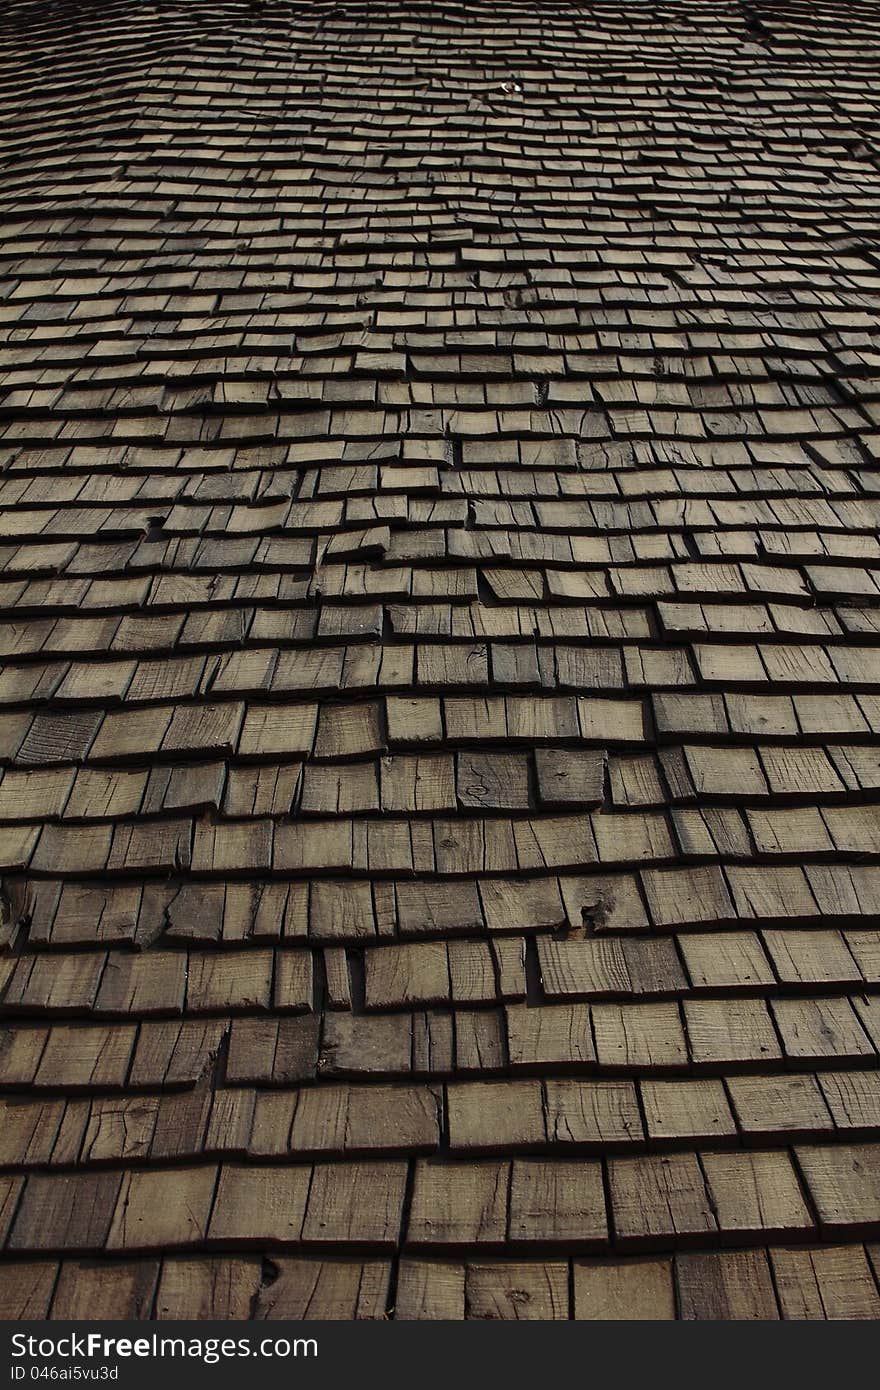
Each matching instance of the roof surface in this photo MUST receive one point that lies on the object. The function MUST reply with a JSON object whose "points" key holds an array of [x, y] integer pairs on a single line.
{"points": [[441, 706]]}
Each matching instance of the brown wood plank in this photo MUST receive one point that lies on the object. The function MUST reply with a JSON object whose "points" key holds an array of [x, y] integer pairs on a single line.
{"points": [[624, 1290], [736, 1284]]}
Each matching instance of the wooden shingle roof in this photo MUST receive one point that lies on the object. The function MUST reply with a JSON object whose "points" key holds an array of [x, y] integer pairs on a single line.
{"points": [[440, 701]]}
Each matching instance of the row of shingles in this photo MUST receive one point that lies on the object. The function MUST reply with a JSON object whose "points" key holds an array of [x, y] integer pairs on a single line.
{"points": [[566, 777], [460, 649], [428, 782], [817, 533], [653, 1201], [41, 784], [433, 604], [478, 649], [475, 423], [355, 912], [745, 494], [808, 1282], [268, 273], [465, 846], [818, 984], [570, 517], [781, 966], [707, 1035], [557, 1114], [591, 367], [836, 549]]}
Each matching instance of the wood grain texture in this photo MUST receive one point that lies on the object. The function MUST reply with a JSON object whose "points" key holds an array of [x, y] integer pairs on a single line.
{"points": [[440, 667]]}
